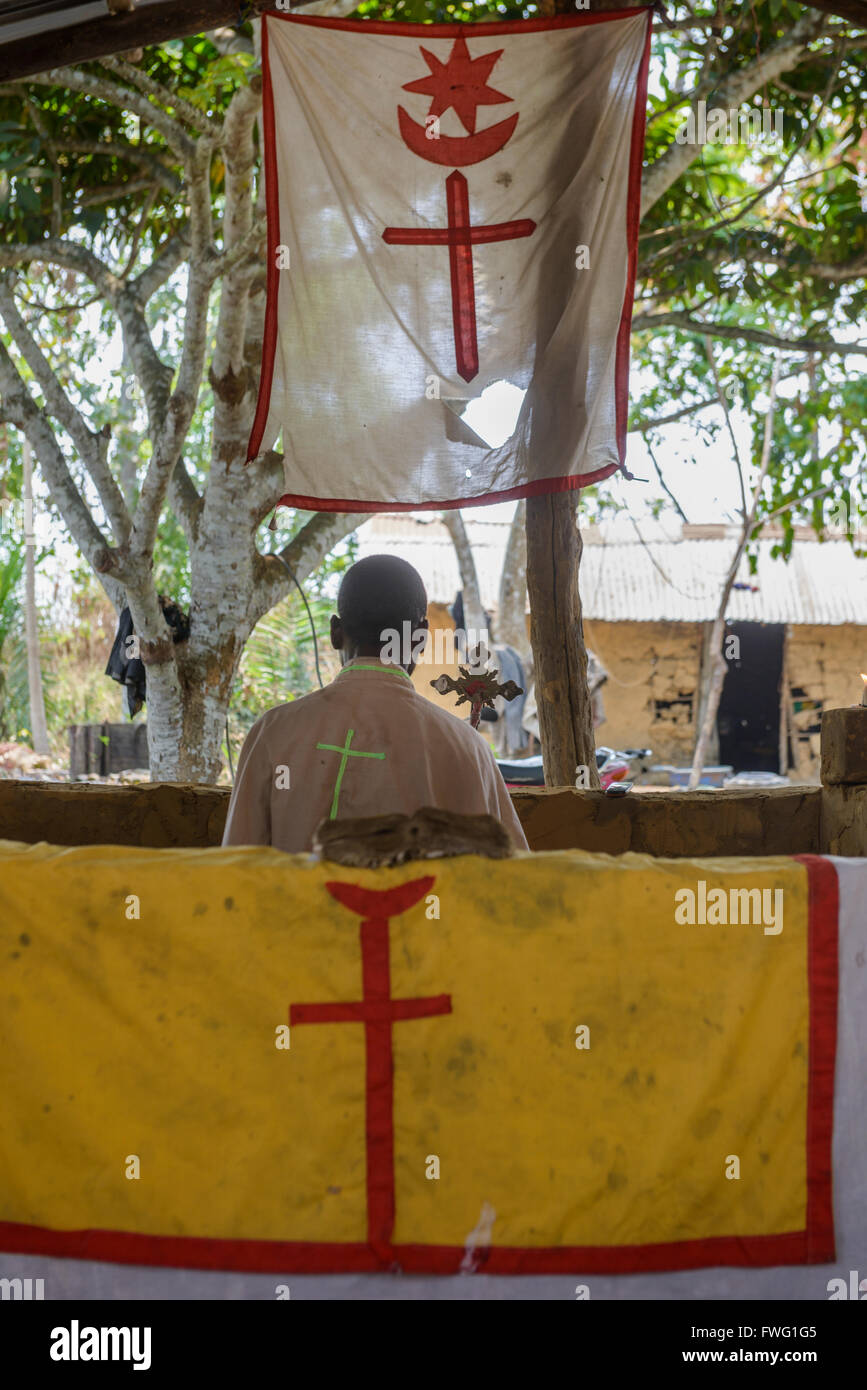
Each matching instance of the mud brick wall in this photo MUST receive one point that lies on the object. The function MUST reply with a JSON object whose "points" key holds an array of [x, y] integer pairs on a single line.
{"points": [[668, 824], [651, 695]]}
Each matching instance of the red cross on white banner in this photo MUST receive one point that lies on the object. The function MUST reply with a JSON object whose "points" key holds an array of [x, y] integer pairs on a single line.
{"points": [[460, 83]]}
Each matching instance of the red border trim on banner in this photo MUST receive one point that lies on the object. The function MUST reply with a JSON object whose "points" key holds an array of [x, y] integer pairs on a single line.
{"points": [[509, 494], [813, 1245], [455, 30], [272, 284], [633, 218], [308, 1257], [633, 205], [823, 977]]}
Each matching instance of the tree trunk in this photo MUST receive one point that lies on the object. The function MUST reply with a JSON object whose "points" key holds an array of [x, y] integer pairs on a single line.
{"points": [[205, 714], [475, 622], [705, 673], [557, 634], [717, 670], [511, 626], [710, 694], [38, 726]]}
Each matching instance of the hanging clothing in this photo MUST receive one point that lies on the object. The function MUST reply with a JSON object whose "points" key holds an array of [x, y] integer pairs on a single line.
{"points": [[366, 745], [125, 664]]}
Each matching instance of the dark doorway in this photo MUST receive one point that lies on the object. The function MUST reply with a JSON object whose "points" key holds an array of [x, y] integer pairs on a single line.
{"points": [[748, 720]]}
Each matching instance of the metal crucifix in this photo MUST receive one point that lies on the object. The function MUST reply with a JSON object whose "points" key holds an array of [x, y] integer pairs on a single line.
{"points": [[480, 688]]}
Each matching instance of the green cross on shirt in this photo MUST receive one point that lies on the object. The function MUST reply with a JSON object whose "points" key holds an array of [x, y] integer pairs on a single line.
{"points": [[346, 753]]}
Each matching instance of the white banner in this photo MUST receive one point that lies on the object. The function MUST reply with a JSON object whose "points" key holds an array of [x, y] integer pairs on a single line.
{"points": [[449, 206]]}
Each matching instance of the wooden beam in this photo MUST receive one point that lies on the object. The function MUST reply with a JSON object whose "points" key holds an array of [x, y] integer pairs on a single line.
{"points": [[115, 33], [173, 19], [152, 23], [853, 10]]}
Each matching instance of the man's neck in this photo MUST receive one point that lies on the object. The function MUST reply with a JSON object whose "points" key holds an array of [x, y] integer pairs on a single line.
{"points": [[374, 663], [372, 657]]}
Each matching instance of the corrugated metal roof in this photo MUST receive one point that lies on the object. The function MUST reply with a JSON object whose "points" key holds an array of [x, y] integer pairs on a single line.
{"points": [[681, 581], [631, 581], [428, 545]]}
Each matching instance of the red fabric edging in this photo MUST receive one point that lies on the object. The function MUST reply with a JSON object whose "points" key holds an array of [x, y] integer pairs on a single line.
{"points": [[272, 283], [460, 29], [308, 1257], [823, 982], [508, 494], [633, 217], [621, 369]]}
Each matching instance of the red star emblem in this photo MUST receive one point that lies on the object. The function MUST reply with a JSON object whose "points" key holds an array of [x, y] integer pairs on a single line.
{"points": [[460, 83]]}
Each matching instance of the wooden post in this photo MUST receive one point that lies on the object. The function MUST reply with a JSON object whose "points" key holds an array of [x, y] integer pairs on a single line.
{"points": [[556, 627], [557, 634]]}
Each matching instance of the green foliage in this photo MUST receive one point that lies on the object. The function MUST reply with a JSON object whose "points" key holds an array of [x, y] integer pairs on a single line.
{"points": [[453, 12], [47, 144], [279, 661], [747, 236]]}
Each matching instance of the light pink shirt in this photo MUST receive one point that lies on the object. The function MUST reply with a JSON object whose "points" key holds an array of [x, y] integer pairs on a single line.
{"points": [[388, 749]]}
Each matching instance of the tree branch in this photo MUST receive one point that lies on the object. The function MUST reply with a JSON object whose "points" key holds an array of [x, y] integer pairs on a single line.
{"points": [[51, 154], [18, 406], [718, 662], [304, 554], [737, 87], [236, 254], [111, 193], [171, 254], [170, 434], [643, 426], [852, 269], [753, 199], [474, 613], [126, 98], [185, 501], [132, 154], [750, 335], [92, 448], [69, 254], [237, 225], [184, 109], [708, 347], [153, 374], [230, 378], [663, 484]]}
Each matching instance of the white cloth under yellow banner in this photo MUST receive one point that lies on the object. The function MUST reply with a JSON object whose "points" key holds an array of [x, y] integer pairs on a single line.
{"points": [[366, 745], [449, 206]]}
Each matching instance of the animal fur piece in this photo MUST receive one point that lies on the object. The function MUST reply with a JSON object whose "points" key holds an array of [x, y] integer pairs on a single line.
{"points": [[374, 842]]}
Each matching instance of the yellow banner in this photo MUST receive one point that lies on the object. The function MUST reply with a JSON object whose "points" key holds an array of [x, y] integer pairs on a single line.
{"points": [[238, 1059]]}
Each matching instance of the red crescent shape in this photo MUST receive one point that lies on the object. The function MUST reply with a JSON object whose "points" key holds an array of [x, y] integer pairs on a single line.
{"points": [[456, 150], [380, 903]]}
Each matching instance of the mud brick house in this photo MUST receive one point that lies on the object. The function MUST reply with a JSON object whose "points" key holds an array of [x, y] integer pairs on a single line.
{"points": [[649, 602]]}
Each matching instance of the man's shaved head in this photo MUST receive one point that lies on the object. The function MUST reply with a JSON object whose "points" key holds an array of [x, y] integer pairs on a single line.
{"points": [[378, 595]]}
